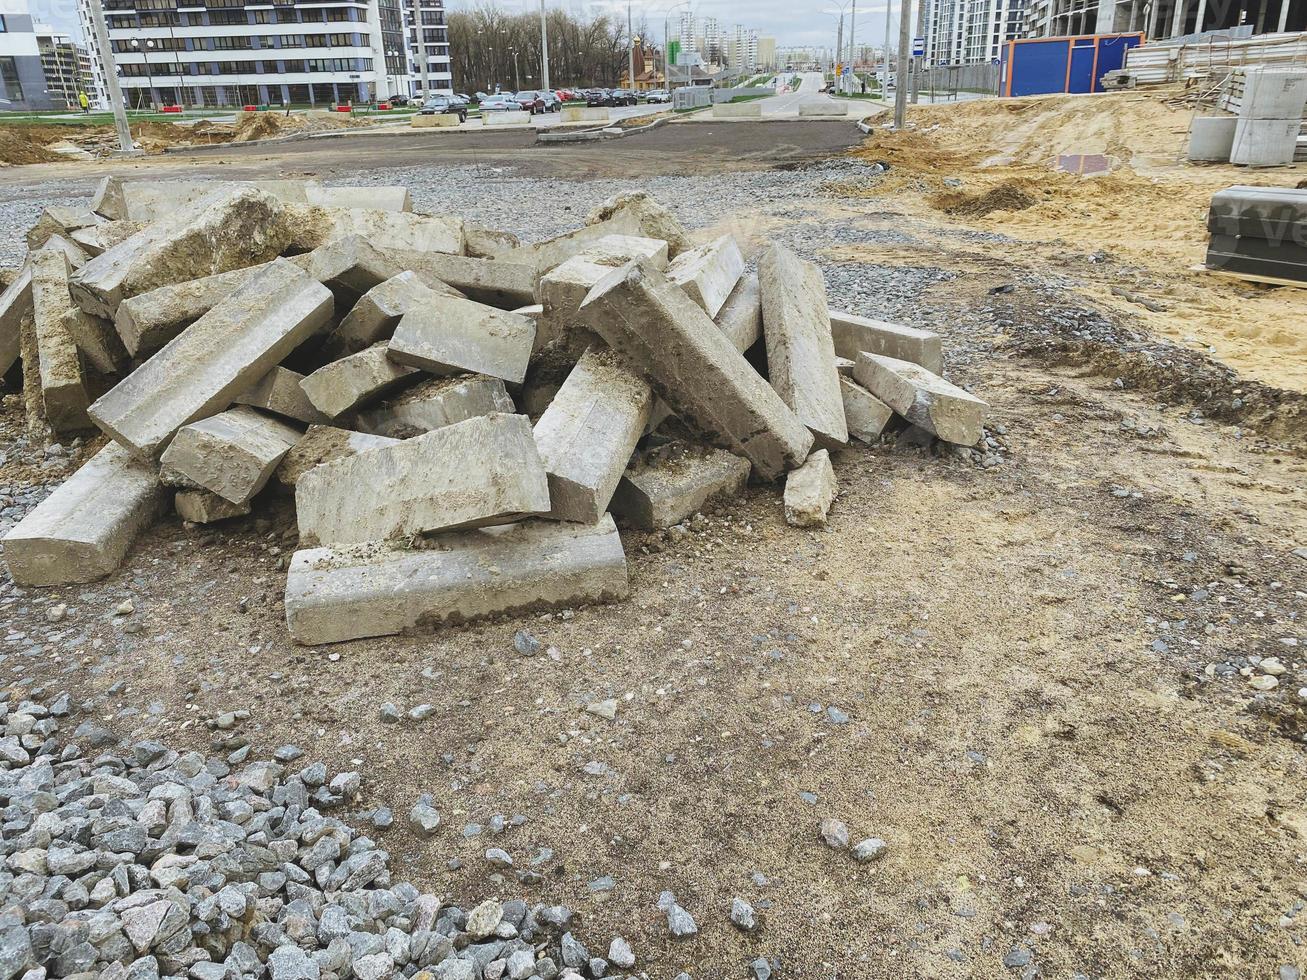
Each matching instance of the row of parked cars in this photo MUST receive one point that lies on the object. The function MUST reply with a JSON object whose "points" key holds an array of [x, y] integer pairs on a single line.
{"points": [[536, 100]]}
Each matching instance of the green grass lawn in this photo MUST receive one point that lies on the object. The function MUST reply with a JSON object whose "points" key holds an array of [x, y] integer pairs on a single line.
{"points": [[750, 98]]}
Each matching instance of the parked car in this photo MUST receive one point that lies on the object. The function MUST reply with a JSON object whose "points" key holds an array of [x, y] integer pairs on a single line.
{"points": [[599, 97], [482, 95], [658, 95], [499, 103], [442, 104], [530, 101], [462, 98], [552, 102], [623, 96], [569, 95], [398, 100]]}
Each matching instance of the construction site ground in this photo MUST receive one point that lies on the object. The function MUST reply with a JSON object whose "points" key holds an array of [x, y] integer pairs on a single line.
{"points": [[1043, 663]]}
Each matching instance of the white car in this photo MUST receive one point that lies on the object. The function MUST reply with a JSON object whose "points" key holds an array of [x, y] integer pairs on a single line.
{"points": [[658, 96]]}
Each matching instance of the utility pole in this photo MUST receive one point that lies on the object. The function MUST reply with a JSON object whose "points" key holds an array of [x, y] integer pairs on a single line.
{"points": [[905, 40], [921, 33], [630, 50], [853, 33], [837, 54], [884, 82], [423, 67], [111, 77], [544, 47]]}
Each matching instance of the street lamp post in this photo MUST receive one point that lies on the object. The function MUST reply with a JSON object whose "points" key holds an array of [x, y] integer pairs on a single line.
{"points": [[149, 78], [544, 48], [667, 63], [517, 78]]}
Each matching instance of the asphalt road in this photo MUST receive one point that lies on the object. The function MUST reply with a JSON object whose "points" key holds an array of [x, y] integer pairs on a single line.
{"points": [[677, 148]]}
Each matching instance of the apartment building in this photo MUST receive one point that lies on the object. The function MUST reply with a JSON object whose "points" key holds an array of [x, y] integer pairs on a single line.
{"points": [[742, 49], [239, 52], [429, 16], [22, 78], [1162, 19], [767, 59], [971, 32], [66, 66]]}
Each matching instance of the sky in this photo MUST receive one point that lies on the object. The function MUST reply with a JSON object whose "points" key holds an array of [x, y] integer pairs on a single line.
{"points": [[794, 23]]}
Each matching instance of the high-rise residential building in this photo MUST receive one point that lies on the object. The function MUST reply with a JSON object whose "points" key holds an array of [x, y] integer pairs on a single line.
{"points": [[686, 33], [971, 32], [767, 54], [238, 52], [434, 43], [1159, 20], [742, 50], [66, 66], [710, 42], [22, 77]]}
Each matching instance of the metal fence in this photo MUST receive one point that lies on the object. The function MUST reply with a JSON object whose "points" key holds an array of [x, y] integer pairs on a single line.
{"points": [[951, 79], [692, 98]]}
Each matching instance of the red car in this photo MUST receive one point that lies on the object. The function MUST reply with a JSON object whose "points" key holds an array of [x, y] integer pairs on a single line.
{"points": [[566, 95], [530, 101]]}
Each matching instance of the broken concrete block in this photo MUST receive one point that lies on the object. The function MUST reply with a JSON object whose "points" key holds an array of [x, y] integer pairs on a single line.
{"points": [[865, 415], [809, 491], [383, 229], [923, 398], [74, 253], [588, 432], [564, 287], [15, 304], [335, 594], [853, 334], [229, 229], [279, 392], [740, 317], [348, 266], [800, 351], [649, 219], [708, 273], [376, 314], [495, 282], [335, 388], [323, 444], [151, 200], [82, 531], [95, 240], [486, 243], [215, 359], [435, 403], [693, 366], [94, 337], [59, 220], [372, 197], [231, 454], [63, 386], [674, 482], [450, 336], [844, 366], [147, 321], [482, 471], [203, 507]]}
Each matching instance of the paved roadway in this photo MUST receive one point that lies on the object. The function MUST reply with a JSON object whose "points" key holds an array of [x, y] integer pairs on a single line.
{"points": [[788, 104]]}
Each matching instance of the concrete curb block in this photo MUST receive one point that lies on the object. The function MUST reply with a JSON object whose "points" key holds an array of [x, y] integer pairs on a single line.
{"points": [[605, 133]]}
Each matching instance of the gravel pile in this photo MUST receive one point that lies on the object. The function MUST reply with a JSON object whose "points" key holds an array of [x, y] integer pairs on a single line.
{"points": [[141, 862]]}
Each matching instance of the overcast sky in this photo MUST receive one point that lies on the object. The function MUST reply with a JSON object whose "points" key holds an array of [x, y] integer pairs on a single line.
{"points": [[792, 22]]}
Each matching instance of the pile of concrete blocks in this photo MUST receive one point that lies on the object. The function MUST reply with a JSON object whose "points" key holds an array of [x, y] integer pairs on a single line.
{"points": [[462, 419]]}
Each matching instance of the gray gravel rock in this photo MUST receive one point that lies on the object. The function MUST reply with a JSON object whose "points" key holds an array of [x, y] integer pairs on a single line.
{"points": [[834, 833]]}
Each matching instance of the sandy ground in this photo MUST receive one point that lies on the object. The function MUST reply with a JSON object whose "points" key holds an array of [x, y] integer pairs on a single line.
{"points": [[1039, 663], [1150, 210]]}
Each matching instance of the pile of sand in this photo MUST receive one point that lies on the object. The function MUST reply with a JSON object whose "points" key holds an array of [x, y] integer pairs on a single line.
{"points": [[17, 147], [990, 163]]}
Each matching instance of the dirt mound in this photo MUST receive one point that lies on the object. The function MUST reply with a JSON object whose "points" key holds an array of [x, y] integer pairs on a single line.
{"points": [[17, 147], [1004, 197]]}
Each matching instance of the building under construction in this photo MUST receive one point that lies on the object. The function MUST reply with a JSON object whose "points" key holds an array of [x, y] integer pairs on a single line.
{"points": [[1162, 19]]}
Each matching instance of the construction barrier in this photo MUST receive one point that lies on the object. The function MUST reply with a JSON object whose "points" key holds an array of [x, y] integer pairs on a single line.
{"points": [[510, 118], [583, 113], [436, 121], [737, 110]]}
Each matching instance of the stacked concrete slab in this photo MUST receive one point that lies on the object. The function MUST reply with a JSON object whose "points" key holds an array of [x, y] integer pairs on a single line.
{"points": [[458, 416]]}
